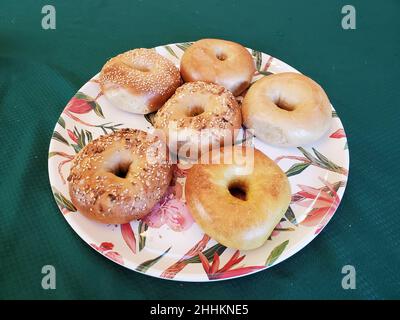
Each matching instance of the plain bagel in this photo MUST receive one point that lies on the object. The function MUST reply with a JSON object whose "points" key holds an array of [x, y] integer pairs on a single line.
{"points": [[238, 202], [287, 109], [226, 63]]}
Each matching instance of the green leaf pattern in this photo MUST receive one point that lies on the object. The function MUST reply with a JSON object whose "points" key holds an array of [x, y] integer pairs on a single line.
{"points": [[142, 228], [184, 45], [57, 136], [258, 58], [84, 137], [289, 215], [209, 253], [61, 122], [171, 52], [275, 253], [62, 201], [143, 267], [296, 169]]}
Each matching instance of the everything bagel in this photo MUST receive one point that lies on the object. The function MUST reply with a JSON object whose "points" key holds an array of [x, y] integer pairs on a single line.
{"points": [[112, 179]]}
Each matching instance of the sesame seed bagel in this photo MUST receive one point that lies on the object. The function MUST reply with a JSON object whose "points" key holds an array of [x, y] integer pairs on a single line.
{"points": [[239, 200], [119, 177], [139, 81], [199, 117], [287, 109], [226, 63]]}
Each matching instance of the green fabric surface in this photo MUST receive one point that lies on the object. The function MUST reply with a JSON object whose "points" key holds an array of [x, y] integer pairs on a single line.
{"points": [[40, 70]]}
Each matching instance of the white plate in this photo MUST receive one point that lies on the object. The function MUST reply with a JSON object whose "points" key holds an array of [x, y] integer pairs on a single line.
{"points": [[163, 248]]}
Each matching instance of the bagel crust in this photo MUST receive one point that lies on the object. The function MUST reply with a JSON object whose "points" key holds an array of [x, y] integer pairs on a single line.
{"points": [[226, 63], [236, 205], [139, 80], [112, 181], [287, 109], [199, 116]]}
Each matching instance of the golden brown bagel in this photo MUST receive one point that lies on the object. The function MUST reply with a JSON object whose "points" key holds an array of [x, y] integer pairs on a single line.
{"points": [[226, 63], [139, 81], [119, 177], [287, 109], [238, 204], [198, 117]]}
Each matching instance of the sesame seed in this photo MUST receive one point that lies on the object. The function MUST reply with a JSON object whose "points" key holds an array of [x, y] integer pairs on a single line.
{"points": [[129, 196]]}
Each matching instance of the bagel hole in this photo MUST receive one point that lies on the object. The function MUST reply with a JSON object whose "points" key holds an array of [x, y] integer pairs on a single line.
{"points": [[238, 189], [284, 105], [121, 170], [111, 197], [221, 56], [194, 111]]}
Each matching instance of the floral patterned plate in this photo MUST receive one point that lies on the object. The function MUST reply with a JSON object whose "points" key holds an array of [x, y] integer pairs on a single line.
{"points": [[167, 243]]}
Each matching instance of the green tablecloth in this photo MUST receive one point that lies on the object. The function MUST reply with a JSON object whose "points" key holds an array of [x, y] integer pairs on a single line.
{"points": [[41, 69]]}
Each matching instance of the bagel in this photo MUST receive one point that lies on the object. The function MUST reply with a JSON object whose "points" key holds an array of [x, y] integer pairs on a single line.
{"points": [[139, 81], [226, 63], [198, 117], [238, 202], [287, 109], [114, 180]]}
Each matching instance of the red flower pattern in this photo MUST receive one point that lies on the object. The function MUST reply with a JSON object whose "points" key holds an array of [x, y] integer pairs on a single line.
{"points": [[338, 134], [72, 135], [79, 106], [129, 236], [323, 201], [171, 210], [106, 249], [214, 271]]}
